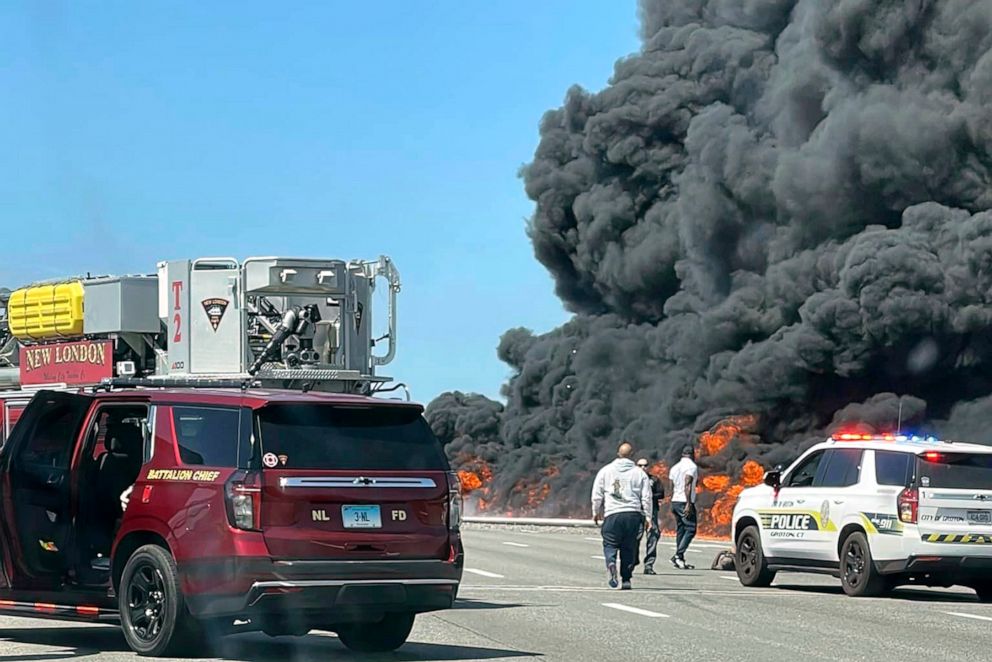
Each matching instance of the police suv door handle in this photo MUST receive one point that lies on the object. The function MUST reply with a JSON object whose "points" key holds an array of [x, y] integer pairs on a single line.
{"points": [[838, 502]]}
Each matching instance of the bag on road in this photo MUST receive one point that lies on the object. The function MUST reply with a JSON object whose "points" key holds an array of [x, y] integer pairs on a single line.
{"points": [[723, 561]]}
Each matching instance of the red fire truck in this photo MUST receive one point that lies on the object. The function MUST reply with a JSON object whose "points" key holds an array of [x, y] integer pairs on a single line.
{"points": [[200, 452]]}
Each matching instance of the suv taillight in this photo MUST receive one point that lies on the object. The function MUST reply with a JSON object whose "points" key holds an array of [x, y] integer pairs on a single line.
{"points": [[907, 504], [244, 500], [454, 502]]}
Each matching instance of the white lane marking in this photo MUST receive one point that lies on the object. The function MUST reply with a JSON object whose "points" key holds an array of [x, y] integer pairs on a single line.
{"points": [[484, 573], [516, 544], [600, 557], [594, 539], [751, 593], [974, 616], [635, 610], [732, 578]]}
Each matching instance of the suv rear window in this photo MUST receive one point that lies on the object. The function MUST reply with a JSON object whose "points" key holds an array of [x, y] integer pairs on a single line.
{"points": [[966, 471], [207, 436], [893, 468], [349, 438]]}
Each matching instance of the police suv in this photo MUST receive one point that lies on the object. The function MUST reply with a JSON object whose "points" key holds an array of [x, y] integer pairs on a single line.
{"points": [[877, 511]]}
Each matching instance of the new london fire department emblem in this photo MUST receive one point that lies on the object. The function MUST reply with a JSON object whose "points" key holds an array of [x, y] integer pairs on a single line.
{"points": [[215, 309]]}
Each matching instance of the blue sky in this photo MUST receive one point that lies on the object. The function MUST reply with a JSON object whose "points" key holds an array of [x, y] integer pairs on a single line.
{"points": [[138, 131]]}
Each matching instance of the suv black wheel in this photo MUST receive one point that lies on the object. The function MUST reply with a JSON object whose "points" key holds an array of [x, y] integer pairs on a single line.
{"points": [[752, 569], [152, 606], [984, 591], [858, 575], [386, 635]]}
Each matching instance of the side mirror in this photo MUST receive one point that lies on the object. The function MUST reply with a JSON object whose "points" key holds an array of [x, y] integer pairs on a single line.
{"points": [[773, 479]]}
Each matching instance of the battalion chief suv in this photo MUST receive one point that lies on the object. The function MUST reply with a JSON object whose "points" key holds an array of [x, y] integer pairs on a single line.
{"points": [[877, 511], [284, 510]]}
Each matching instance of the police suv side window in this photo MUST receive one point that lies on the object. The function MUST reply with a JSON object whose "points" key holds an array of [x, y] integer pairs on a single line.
{"points": [[207, 436], [893, 468], [805, 473], [843, 467]]}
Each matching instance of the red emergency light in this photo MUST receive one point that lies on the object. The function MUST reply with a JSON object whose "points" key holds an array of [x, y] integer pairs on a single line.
{"points": [[887, 437]]}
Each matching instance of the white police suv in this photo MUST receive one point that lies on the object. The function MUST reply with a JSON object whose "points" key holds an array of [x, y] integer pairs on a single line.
{"points": [[875, 510]]}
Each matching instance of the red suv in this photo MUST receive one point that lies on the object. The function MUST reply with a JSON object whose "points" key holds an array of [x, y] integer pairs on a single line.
{"points": [[262, 509]]}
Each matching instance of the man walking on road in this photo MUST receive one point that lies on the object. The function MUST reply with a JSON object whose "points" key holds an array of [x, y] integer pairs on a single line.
{"points": [[654, 532], [621, 493], [684, 476]]}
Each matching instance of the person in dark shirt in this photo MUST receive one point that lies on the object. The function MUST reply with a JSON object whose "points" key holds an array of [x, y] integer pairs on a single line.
{"points": [[654, 534]]}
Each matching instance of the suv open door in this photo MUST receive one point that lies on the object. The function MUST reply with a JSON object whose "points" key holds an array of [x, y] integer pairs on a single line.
{"points": [[35, 481]]}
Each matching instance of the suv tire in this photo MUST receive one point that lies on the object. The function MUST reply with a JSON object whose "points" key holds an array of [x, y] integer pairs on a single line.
{"points": [[749, 560], [858, 575], [984, 591], [386, 635], [152, 606]]}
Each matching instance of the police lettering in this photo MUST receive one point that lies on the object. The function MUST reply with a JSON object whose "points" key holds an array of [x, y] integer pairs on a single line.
{"points": [[792, 522]]}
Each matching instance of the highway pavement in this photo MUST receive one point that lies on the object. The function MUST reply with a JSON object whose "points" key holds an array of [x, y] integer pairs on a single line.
{"points": [[542, 594]]}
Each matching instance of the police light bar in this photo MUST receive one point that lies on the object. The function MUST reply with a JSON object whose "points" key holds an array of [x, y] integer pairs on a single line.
{"points": [[894, 438]]}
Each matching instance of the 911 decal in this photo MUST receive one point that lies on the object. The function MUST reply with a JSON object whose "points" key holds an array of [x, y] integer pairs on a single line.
{"points": [[882, 523], [959, 538]]}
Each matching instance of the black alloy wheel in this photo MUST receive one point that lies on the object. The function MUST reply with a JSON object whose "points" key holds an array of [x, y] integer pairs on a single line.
{"points": [[153, 612], [146, 602], [858, 575], [749, 561]]}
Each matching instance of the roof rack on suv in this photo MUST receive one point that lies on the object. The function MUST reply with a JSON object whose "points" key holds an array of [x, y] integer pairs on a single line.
{"points": [[188, 382]]}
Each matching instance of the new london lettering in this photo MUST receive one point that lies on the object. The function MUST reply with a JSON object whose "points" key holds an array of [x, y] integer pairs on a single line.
{"points": [[41, 357]]}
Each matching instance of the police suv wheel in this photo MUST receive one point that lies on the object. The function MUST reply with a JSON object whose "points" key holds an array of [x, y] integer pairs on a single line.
{"points": [[152, 606], [386, 635], [858, 575], [749, 561]]}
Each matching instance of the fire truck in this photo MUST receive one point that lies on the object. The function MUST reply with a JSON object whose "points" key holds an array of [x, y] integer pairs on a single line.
{"points": [[273, 322], [201, 451]]}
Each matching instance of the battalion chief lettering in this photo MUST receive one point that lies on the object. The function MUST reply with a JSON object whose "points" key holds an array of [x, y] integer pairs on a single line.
{"points": [[42, 357]]}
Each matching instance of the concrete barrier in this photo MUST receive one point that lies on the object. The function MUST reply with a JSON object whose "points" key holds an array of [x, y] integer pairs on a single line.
{"points": [[532, 521]]}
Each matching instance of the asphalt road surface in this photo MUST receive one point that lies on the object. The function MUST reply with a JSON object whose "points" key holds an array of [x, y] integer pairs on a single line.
{"points": [[543, 595]]}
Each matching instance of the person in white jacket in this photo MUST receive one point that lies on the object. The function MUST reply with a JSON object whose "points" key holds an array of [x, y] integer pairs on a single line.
{"points": [[621, 500]]}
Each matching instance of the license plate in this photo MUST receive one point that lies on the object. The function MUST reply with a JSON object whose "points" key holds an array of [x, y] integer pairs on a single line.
{"points": [[980, 516], [361, 517]]}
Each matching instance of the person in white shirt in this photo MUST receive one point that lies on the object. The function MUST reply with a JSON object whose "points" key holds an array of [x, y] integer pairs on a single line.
{"points": [[621, 494], [684, 476]]}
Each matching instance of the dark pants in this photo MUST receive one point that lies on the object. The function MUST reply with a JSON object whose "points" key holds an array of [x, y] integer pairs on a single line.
{"points": [[651, 553], [685, 528], [620, 532]]}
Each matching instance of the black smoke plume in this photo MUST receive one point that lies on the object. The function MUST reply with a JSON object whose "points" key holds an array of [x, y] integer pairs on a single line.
{"points": [[777, 208]]}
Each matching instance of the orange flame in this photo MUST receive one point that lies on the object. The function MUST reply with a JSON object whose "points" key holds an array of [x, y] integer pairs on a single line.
{"points": [[470, 481], [716, 439], [752, 474], [717, 483], [476, 478]]}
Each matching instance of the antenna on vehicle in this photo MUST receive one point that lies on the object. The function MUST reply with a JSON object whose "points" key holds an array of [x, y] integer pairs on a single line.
{"points": [[899, 422]]}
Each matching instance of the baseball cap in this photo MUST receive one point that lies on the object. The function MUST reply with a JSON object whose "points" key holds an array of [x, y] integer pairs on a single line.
{"points": [[687, 451], [642, 462]]}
